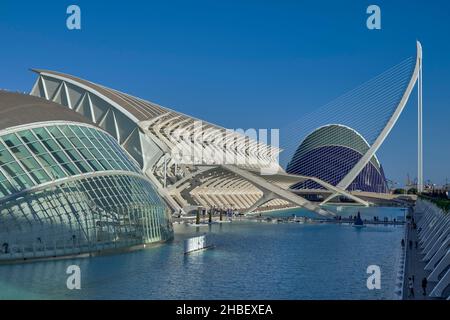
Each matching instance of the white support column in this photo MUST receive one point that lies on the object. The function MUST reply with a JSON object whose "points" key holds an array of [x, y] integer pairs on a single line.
{"points": [[165, 170]]}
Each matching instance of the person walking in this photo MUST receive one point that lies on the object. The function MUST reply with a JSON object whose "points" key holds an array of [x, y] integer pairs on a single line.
{"points": [[403, 243], [411, 288], [410, 244], [424, 286]]}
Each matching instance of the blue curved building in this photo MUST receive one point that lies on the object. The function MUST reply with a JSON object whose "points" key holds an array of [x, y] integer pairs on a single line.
{"points": [[329, 153]]}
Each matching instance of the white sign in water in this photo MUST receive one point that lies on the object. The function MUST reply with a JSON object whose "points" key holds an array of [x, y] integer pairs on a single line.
{"points": [[195, 244]]}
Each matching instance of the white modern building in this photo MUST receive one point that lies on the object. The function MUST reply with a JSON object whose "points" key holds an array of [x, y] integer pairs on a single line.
{"points": [[191, 162], [195, 163]]}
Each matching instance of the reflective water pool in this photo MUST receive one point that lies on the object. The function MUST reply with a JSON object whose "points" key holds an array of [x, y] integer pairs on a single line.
{"points": [[250, 260]]}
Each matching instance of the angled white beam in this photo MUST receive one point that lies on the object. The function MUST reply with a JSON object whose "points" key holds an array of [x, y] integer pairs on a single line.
{"points": [[66, 91], [279, 192], [44, 86]]}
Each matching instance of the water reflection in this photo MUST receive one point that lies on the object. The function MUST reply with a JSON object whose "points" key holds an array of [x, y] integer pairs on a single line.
{"points": [[250, 261]]}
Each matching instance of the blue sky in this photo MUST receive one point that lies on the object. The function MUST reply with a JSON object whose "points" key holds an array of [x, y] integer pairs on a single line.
{"points": [[243, 64]]}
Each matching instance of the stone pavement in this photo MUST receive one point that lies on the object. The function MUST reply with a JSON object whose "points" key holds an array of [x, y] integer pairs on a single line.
{"points": [[414, 266]]}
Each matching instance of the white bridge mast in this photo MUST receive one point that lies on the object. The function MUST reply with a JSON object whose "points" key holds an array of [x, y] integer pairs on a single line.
{"points": [[419, 132]]}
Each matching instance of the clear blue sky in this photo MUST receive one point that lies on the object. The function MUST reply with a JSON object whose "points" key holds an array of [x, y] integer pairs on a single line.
{"points": [[243, 64]]}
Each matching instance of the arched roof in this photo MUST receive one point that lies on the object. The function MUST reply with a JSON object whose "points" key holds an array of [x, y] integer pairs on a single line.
{"points": [[138, 108], [19, 109], [129, 119]]}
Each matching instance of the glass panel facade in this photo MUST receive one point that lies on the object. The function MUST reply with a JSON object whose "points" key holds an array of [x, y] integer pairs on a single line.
{"points": [[75, 213], [85, 215], [35, 156]]}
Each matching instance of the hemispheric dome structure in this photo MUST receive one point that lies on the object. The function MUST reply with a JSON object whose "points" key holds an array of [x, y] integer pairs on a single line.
{"points": [[67, 187], [329, 153]]}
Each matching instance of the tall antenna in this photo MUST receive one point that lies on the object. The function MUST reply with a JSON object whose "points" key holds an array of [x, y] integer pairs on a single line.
{"points": [[419, 133]]}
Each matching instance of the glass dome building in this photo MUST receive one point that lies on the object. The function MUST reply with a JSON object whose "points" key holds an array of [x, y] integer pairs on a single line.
{"points": [[329, 153], [67, 187]]}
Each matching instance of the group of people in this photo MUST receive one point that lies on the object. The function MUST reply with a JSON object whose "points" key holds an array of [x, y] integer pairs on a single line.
{"points": [[229, 212], [213, 211], [411, 244], [375, 218], [414, 244], [411, 286]]}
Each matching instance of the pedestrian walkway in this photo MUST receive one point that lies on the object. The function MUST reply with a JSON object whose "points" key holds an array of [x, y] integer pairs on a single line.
{"points": [[415, 267]]}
